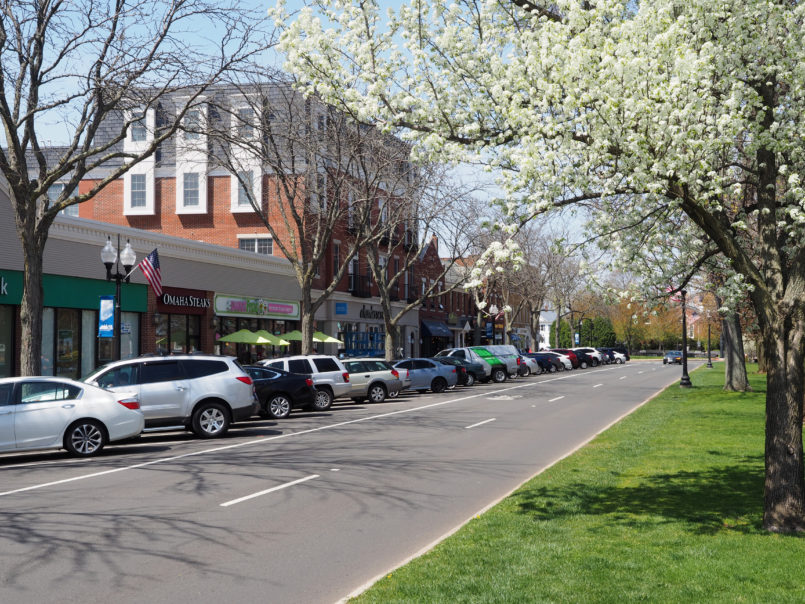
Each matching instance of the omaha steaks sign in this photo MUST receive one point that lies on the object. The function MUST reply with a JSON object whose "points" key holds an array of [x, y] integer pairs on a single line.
{"points": [[187, 301]]}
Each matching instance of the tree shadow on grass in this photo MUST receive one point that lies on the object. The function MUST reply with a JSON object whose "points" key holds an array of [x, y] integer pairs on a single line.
{"points": [[717, 499]]}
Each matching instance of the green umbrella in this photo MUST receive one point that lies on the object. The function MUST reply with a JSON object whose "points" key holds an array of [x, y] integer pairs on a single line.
{"points": [[292, 335], [244, 336], [319, 336], [272, 339]]}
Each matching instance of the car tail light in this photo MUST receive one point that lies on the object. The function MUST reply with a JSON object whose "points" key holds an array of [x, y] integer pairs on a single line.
{"points": [[245, 379], [518, 360], [395, 373], [130, 403], [346, 376], [309, 382], [454, 370]]}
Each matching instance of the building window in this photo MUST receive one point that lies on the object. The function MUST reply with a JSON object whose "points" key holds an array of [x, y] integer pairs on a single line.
{"points": [[137, 128], [192, 124], [243, 192], [191, 189], [244, 123], [257, 245], [336, 257], [54, 191], [138, 190]]}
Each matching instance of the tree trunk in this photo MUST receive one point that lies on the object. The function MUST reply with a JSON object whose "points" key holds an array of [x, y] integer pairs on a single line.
{"points": [[392, 341], [31, 309], [735, 379], [306, 312], [784, 489], [762, 364]]}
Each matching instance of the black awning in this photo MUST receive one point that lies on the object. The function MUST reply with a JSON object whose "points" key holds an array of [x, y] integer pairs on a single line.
{"points": [[436, 329]]}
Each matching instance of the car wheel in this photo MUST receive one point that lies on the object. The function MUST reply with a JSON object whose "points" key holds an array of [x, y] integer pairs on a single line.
{"points": [[210, 420], [619, 362], [498, 375], [470, 379], [525, 372], [85, 438], [438, 384], [278, 406], [322, 401], [583, 364], [595, 363], [377, 393]]}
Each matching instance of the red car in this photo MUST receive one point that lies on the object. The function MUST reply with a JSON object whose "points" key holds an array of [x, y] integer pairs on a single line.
{"points": [[574, 360]]}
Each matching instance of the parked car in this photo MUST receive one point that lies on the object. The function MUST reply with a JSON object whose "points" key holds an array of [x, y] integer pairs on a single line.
{"points": [[585, 360], [607, 357], [279, 391], [614, 356], [204, 393], [574, 358], [373, 379], [55, 413], [472, 372], [329, 375], [595, 357], [622, 350], [507, 354], [567, 364], [487, 361], [671, 357], [549, 362], [529, 365], [427, 374]]}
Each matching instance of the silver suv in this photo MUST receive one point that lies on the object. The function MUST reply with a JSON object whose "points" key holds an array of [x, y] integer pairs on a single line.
{"points": [[204, 393], [374, 379], [329, 375]]}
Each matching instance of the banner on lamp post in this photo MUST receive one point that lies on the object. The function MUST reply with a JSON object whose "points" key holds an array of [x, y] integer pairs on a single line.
{"points": [[106, 317]]}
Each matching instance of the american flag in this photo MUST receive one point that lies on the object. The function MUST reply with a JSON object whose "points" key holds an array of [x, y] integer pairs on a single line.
{"points": [[150, 267]]}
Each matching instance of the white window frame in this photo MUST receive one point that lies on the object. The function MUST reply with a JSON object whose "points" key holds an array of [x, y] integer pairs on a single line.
{"points": [[257, 190], [183, 168], [255, 237], [190, 190], [146, 171]]}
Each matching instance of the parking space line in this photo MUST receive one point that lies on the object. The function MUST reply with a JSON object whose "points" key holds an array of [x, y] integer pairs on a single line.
{"points": [[558, 398], [597, 385], [623, 377], [486, 421], [267, 491]]}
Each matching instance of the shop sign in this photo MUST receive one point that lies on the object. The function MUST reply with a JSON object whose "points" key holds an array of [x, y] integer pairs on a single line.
{"points": [[3, 286], [187, 301], [370, 313], [260, 308], [340, 308]]}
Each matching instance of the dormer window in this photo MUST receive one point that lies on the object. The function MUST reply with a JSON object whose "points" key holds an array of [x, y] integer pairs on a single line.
{"points": [[137, 129], [192, 124], [244, 127]]}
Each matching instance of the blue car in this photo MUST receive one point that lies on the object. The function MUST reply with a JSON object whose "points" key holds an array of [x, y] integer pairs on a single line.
{"points": [[427, 374]]}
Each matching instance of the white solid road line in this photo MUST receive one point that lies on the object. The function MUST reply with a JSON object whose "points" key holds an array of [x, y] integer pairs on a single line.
{"points": [[271, 490], [558, 398], [486, 421], [262, 440]]}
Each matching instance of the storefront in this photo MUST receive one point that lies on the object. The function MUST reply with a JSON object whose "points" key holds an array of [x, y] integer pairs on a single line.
{"points": [[70, 344], [436, 336], [179, 321], [361, 328], [234, 312]]}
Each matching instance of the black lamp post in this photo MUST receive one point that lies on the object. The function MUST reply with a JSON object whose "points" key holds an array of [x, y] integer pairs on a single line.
{"points": [[685, 382], [111, 256]]}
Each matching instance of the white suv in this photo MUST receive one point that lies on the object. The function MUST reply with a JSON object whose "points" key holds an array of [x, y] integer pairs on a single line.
{"points": [[329, 375], [205, 393]]}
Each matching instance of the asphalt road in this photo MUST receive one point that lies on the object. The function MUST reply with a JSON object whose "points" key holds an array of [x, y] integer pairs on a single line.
{"points": [[304, 510]]}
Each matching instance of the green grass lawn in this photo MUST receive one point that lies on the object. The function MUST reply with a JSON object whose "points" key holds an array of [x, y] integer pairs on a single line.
{"points": [[663, 507]]}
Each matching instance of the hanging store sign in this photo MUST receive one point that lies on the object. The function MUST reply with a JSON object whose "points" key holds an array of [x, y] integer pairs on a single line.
{"points": [[106, 317]]}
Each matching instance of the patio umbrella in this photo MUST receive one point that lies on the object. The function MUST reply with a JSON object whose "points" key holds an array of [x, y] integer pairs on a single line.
{"points": [[292, 335], [319, 336], [272, 339], [244, 336]]}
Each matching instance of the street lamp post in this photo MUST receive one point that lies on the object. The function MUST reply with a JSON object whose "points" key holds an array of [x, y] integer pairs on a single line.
{"points": [[685, 382], [111, 256], [709, 359]]}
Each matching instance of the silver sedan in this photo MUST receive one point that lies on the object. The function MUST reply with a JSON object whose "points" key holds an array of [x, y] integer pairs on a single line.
{"points": [[54, 413]]}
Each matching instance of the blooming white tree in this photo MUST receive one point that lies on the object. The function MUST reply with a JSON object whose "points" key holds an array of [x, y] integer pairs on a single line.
{"points": [[649, 111]]}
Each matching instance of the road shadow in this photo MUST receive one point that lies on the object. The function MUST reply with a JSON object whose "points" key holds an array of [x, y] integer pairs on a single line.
{"points": [[725, 498]]}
